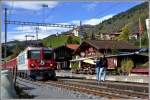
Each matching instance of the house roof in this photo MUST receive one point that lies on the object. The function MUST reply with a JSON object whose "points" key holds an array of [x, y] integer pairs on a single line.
{"points": [[115, 33], [107, 44], [110, 44], [72, 46]]}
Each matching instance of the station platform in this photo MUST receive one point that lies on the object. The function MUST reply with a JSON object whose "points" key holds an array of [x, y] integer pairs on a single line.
{"points": [[136, 79]]}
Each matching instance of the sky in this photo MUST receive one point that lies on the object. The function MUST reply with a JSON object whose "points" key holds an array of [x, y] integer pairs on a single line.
{"points": [[70, 13]]}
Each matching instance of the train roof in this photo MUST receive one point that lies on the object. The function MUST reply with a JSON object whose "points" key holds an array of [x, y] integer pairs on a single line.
{"points": [[34, 48], [38, 48]]}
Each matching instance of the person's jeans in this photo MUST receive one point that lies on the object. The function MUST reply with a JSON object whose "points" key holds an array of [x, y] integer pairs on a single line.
{"points": [[100, 73], [103, 76], [97, 73]]}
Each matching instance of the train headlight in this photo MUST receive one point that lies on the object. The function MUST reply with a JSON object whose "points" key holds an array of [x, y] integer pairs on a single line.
{"points": [[51, 64], [32, 65]]}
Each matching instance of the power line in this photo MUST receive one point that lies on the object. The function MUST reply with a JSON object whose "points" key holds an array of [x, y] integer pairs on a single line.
{"points": [[39, 24]]}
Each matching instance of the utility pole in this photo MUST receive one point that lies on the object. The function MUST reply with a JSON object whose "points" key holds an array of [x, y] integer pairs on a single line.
{"points": [[80, 31], [44, 6], [93, 35], [26, 36], [5, 50], [140, 31], [36, 29]]}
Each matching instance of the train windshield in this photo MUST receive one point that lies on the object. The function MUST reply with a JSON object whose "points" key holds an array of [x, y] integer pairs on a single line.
{"points": [[48, 54], [34, 54]]}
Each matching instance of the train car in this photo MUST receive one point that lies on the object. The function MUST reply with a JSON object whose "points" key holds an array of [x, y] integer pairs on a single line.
{"points": [[37, 63]]}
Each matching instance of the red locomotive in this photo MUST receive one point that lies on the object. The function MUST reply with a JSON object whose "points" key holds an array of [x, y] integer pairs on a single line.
{"points": [[35, 62]]}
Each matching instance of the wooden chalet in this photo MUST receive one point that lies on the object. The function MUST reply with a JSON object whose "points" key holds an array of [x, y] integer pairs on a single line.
{"points": [[98, 47], [86, 53], [64, 54]]}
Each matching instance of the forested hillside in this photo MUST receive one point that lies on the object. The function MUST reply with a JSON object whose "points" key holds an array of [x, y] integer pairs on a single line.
{"points": [[117, 22]]}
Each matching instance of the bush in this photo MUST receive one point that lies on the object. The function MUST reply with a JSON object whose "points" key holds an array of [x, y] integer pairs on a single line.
{"points": [[119, 71], [127, 65], [74, 66]]}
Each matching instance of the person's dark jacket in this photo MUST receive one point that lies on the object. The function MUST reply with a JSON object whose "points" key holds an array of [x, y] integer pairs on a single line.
{"points": [[103, 62], [97, 64]]}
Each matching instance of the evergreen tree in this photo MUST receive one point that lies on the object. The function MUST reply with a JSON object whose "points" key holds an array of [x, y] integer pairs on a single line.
{"points": [[124, 35], [144, 39], [93, 36], [70, 40]]}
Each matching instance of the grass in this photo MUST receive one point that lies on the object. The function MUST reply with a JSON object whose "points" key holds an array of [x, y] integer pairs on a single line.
{"points": [[57, 41]]}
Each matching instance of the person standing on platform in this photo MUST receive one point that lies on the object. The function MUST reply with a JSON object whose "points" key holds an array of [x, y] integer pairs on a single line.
{"points": [[97, 69], [104, 65]]}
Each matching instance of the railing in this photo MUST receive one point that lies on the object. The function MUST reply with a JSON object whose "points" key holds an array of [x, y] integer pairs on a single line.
{"points": [[9, 64]]}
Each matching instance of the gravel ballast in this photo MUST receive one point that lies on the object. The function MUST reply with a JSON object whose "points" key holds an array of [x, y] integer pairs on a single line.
{"points": [[39, 91]]}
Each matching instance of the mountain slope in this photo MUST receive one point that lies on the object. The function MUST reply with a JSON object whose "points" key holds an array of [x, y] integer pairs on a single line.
{"points": [[130, 18], [117, 22]]}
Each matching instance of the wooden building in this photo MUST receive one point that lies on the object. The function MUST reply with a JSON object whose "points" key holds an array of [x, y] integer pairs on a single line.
{"points": [[109, 36], [86, 53], [98, 47], [114, 61], [64, 54], [112, 36]]}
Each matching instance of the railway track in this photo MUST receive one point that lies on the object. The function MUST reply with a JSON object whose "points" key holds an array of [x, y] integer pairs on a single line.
{"points": [[137, 87], [100, 90], [97, 90]]}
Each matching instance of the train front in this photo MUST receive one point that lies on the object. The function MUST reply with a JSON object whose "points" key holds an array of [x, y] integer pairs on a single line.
{"points": [[41, 63]]}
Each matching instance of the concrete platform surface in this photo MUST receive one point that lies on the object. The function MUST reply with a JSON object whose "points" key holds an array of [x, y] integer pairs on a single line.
{"points": [[137, 79]]}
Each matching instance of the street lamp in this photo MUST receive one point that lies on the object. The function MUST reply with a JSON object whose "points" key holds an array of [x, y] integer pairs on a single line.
{"points": [[44, 6]]}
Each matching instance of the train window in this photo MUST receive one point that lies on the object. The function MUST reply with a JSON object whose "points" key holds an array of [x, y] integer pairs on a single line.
{"points": [[34, 54], [48, 54], [28, 54]]}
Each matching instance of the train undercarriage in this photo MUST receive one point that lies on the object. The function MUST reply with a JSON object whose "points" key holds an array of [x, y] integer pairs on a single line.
{"points": [[38, 74]]}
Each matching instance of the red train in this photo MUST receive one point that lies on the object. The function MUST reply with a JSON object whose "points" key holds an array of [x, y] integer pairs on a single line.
{"points": [[34, 62]]}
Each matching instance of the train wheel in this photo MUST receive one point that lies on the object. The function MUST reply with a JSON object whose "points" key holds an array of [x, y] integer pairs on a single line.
{"points": [[19, 74], [52, 75]]}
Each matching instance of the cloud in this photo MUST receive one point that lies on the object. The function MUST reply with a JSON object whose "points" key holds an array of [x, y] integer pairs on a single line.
{"points": [[93, 21], [31, 5], [12, 35], [76, 22], [19, 32], [91, 6]]}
